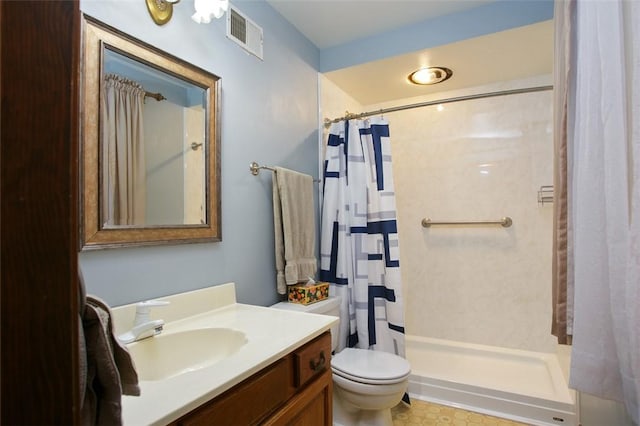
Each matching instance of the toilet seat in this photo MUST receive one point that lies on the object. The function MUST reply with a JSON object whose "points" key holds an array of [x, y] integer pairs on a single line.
{"points": [[370, 367]]}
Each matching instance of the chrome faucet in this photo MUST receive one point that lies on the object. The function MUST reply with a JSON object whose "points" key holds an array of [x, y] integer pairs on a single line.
{"points": [[143, 326]]}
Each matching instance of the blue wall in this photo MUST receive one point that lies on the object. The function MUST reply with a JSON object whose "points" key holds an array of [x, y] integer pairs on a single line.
{"points": [[269, 114]]}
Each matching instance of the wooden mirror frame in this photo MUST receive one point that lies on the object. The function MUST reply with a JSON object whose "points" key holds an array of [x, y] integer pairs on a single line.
{"points": [[93, 235]]}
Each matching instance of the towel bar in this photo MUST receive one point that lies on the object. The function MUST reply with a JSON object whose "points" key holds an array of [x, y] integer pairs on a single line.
{"points": [[505, 222], [254, 168]]}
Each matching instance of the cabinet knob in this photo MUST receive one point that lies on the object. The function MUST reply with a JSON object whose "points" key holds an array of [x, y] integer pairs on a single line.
{"points": [[317, 365]]}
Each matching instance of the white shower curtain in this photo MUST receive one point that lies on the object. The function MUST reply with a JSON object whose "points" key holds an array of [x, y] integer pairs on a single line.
{"points": [[359, 251], [605, 204], [123, 155]]}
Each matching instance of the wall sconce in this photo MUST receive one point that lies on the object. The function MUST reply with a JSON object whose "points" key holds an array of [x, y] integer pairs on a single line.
{"points": [[162, 10]]}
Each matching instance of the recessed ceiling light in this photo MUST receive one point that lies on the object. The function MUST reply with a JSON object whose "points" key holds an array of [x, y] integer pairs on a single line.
{"points": [[430, 75]]}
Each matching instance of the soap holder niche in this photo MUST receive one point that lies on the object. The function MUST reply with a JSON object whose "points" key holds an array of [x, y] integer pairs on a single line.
{"points": [[545, 194]]}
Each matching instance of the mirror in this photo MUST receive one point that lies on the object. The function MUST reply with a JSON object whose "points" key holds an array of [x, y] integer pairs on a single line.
{"points": [[150, 161]]}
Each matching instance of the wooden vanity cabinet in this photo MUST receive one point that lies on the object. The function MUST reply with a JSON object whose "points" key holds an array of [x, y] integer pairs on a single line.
{"points": [[295, 390]]}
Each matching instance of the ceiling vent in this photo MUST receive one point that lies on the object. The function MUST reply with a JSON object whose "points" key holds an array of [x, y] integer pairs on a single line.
{"points": [[244, 31]]}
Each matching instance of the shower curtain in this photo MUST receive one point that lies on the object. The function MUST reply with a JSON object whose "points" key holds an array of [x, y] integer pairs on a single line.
{"points": [[603, 184], [359, 253], [123, 156], [562, 268]]}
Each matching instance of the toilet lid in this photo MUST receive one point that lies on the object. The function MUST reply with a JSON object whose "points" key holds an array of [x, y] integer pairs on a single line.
{"points": [[367, 366]]}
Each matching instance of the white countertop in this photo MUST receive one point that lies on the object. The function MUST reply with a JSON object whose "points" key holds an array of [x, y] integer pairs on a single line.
{"points": [[271, 334]]}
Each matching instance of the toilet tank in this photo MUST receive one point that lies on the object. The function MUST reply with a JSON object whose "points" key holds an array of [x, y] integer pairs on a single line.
{"points": [[329, 306]]}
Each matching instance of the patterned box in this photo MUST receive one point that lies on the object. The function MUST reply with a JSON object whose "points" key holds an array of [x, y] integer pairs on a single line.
{"points": [[307, 294]]}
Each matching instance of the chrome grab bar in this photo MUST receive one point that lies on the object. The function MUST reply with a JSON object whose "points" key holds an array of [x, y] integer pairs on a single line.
{"points": [[505, 222]]}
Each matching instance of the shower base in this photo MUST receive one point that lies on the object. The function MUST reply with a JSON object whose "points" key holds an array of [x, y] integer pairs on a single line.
{"points": [[524, 386]]}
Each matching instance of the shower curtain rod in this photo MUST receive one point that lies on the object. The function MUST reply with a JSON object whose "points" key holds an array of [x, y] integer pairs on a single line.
{"points": [[157, 96], [350, 116]]}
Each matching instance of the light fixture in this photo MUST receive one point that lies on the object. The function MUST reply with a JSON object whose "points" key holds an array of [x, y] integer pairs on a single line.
{"points": [[161, 11], [207, 9], [430, 75]]}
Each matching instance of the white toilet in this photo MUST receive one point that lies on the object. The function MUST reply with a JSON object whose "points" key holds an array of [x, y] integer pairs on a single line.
{"points": [[367, 384]]}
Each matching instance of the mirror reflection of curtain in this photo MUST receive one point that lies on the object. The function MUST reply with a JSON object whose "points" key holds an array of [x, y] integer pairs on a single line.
{"points": [[123, 158]]}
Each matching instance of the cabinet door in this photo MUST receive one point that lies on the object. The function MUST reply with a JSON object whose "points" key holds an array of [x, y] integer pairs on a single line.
{"points": [[248, 402], [310, 407]]}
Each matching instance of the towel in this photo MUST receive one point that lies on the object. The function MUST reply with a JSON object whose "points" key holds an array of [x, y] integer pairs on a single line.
{"points": [[82, 345], [295, 227], [109, 370]]}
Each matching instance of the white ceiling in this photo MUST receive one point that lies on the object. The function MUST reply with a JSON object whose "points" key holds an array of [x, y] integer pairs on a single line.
{"points": [[518, 53], [507, 55]]}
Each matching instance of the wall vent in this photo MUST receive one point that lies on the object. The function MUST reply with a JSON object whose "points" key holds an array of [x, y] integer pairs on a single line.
{"points": [[244, 31]]}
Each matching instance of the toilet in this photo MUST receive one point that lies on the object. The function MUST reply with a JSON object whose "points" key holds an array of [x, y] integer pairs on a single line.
{"points": [[366, 384]]}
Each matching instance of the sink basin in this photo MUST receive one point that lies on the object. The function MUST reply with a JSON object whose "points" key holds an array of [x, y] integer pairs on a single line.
{"points": [[169, 355]]}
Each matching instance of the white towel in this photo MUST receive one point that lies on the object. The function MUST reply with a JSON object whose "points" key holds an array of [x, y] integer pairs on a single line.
{"points": [[295, 227]]}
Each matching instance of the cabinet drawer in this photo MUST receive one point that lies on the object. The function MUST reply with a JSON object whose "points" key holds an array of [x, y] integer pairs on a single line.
{"points": [[312, 359]]}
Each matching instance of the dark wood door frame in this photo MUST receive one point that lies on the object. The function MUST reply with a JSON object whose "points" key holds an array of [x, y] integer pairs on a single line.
{"points": [[39, 47]]}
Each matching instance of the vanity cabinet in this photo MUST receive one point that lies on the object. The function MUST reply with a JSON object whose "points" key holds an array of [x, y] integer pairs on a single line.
{"points": [[295, 390]]}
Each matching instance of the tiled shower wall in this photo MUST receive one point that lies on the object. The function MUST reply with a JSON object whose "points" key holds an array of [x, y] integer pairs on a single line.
{"points": [[474, 160]]}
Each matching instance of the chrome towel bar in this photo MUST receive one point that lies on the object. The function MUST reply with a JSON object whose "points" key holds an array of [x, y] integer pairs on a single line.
{"points": [[505, 222], [255, 168]]}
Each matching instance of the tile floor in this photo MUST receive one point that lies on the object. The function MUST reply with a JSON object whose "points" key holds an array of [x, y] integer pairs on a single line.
{"points": [[426, 413]]}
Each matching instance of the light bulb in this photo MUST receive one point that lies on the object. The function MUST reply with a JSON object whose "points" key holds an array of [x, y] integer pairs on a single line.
{"points": [[207, 9], [430, 75]]}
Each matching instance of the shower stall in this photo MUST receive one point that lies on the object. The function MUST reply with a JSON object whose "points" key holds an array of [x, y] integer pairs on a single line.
{"points": [[478, 296]]}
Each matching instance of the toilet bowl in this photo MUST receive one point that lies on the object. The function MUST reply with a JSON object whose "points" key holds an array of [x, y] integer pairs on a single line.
{"points": [[367, 384]]}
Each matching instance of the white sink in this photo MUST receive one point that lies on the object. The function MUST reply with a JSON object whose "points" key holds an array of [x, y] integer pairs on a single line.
{"points": [[169, 355]]}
